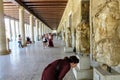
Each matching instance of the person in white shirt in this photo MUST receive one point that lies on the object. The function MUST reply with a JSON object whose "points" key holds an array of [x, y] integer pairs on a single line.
{"points": [[19, 41]]}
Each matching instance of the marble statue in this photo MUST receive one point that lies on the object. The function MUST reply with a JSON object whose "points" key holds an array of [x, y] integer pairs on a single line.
{"points": [[83, 38], [63, 34], [68, 37], [106, 37]]}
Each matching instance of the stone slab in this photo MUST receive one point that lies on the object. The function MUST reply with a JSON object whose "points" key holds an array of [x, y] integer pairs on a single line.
{"points": [[100, 74]]}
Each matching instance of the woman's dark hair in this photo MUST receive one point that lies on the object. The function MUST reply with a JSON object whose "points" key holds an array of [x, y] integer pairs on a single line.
{"points": [[72, 59], [19, 35]]}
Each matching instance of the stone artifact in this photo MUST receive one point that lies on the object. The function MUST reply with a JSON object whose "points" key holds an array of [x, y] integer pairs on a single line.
{"points": [[83, 38], [68, 37], [106, 43], [63, 34]]}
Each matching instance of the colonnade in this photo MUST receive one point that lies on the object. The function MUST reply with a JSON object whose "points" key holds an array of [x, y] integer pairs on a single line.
{"points": [[10, 28], [93, 26]]}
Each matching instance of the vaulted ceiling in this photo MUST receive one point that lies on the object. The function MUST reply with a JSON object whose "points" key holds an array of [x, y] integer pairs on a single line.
{"points": [[48, 11]]}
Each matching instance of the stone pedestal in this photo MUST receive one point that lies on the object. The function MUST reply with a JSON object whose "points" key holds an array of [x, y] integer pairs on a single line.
{"points": [[68, 49], [83, 70], [100, 74]]}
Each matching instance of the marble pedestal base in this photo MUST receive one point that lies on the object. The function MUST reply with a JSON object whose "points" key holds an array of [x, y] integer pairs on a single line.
{"points": [[83, 70], [84, 62], [68, 49], [83, 74], [100, 74]]}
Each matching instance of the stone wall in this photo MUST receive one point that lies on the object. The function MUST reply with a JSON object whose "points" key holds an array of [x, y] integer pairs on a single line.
{"points": [[71, 11], [79, 12], [105, 19]]}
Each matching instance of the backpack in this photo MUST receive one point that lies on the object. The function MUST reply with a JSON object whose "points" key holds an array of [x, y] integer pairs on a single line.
{"points": [[44, 39]]}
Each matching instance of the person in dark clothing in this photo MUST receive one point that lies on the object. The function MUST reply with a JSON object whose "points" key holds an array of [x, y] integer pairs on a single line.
{"points": [[50, 40], [58, 68], [28, 40]]}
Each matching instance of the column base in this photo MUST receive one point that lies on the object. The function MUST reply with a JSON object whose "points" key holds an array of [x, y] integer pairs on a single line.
{"points": [[24, 45], [5, 52], [84, 62], [83, 71], [9, 50]]}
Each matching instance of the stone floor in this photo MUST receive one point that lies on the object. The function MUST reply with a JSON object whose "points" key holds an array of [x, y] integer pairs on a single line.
{"points": [[28, 63]]}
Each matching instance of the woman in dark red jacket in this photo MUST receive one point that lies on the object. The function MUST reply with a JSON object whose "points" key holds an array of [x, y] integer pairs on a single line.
{"points": [[57, 69]]}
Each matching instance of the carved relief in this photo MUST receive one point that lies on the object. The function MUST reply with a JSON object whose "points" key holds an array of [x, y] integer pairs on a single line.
{"points": [[68, 37], [83, 38], [106, 37], [63, 34]]}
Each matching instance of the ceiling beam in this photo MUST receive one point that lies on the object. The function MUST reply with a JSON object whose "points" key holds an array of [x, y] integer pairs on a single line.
{"points": [[49, 10], [22, 4], [9, 5], [45, 1], [11, 9], [46, 5]]}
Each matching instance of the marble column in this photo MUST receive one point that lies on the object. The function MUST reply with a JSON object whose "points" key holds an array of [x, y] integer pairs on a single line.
{"points": [[28, 30], [43, 32], [10, 29], [45, 29], [14, 29], [91, 30], [31, 28], [68, 46], [18, 27], [3, 48], [40, 30], [37, 26], [63, 33], [21, 25]]}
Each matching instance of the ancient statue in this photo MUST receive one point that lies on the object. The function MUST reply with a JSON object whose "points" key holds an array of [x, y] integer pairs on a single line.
{"points": [[83, 38], [106, 38], [68, 37]]}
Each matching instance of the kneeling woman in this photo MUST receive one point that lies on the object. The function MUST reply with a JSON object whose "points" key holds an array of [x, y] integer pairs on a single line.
{"points": [[58, 69]]}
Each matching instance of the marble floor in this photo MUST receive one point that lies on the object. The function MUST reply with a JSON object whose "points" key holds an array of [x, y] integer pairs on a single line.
{"points": [[28, 63]]}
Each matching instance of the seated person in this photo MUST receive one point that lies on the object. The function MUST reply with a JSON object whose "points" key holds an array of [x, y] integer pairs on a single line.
{"points": [[28, 41]]}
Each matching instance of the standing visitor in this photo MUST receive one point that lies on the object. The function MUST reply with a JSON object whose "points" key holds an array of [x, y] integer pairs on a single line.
{"points": [[19, 41], [44, 39], [50, 40]]}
